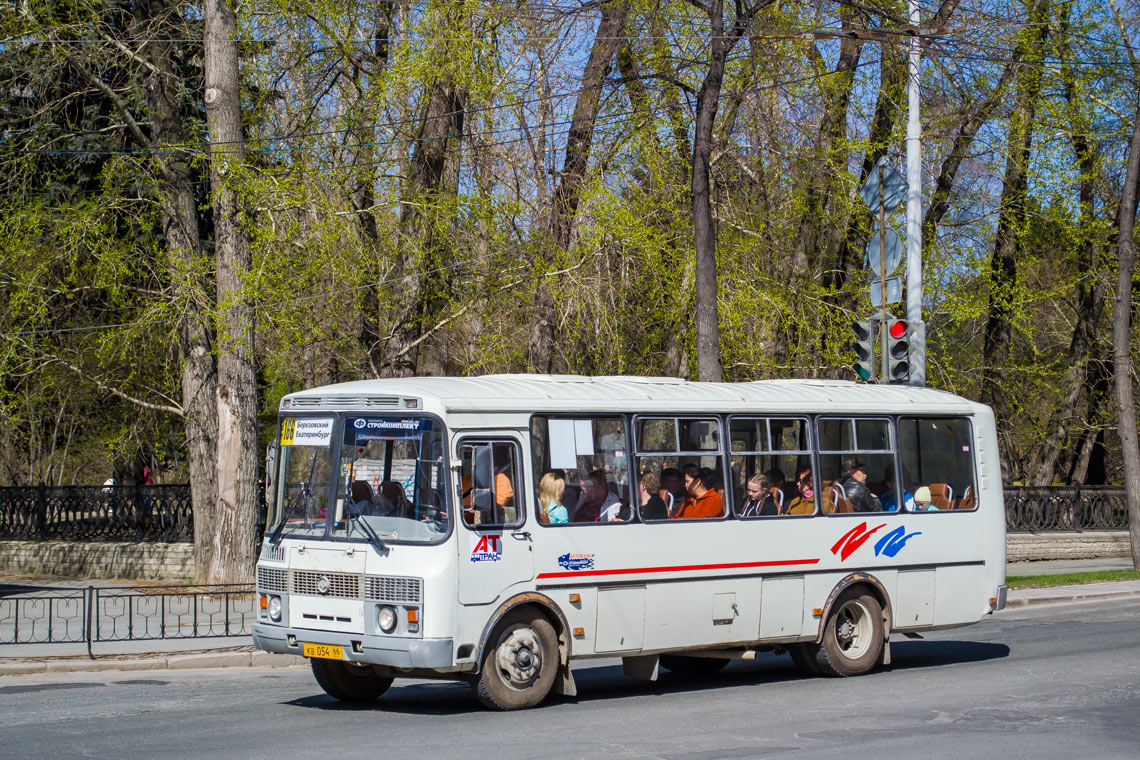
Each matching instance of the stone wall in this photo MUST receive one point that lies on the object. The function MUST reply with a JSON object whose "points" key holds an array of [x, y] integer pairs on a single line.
{"points": [[99, 559], [1090, 544]]}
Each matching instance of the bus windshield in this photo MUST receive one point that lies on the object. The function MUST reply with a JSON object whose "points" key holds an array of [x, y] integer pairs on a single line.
{"points": [[305, 476], [391, 477]]}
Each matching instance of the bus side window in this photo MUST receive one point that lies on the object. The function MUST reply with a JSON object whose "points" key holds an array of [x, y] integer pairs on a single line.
{"points": [[937, 463], [489, 474]]}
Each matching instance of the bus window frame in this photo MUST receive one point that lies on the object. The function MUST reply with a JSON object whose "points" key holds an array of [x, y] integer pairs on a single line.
{"points": [[973, 462], [725, 462], [812, 452], [445, 467], [893, 451], [518, 486], [625, 417]]}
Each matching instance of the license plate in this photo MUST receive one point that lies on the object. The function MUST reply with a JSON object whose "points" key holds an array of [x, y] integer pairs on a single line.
{"points": [[324, 651]]}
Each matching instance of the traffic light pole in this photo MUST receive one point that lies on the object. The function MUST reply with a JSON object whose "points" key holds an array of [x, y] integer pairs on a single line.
{"points": [[882, 279], [914, 211]]}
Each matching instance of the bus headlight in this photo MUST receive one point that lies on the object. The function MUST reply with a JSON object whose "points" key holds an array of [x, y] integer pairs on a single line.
{"points": [[386, 619], [275, 609]]}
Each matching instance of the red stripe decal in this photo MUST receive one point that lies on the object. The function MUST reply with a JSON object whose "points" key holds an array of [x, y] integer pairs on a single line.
{"points": [[678, 568]]}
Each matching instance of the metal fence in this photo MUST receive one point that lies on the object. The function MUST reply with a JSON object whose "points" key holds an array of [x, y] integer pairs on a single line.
{"points": [[137, 613], [1061, 508], [164, 513], [97, 513]]}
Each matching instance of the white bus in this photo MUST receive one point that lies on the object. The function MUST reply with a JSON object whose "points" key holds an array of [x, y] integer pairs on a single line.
{"points": [[682, 525]]}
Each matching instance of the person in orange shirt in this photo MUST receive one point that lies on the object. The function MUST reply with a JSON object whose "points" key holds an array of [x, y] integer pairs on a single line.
{"points": [[704, 500]]}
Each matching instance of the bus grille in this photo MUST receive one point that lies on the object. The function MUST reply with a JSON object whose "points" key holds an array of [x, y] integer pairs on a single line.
{"points": [[341, 585], [271, 578], [386, 589], [271, 552]]}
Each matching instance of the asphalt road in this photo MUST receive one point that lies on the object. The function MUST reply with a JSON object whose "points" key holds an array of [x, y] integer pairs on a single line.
{"points": [[1055, 681]]}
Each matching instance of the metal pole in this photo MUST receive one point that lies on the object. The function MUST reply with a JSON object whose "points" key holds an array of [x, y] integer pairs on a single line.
{"points": [[884, 377], [914, 211]]}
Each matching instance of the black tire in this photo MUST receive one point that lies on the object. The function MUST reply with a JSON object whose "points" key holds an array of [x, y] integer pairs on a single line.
{"points": [[692, 666], [348, 682], [853, 636], [804, 656], [519, 663]]}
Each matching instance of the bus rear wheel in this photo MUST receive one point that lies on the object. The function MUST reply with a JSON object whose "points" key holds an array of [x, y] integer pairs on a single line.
{"points": [[853, 637], [348, 682], [519, 663], [692, 666]]}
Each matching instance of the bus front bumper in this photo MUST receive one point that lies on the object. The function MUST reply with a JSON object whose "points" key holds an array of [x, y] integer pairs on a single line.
{"points": [[392, 651]]}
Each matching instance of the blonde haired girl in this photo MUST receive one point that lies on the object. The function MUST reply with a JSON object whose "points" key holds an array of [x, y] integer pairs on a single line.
{"points": [[550, 490]]}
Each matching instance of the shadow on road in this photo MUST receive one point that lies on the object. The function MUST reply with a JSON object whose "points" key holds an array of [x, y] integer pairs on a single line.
{"points": [[607, 682]]}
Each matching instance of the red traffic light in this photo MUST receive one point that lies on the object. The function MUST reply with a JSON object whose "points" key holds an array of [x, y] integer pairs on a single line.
{"points": [[897, 328]]}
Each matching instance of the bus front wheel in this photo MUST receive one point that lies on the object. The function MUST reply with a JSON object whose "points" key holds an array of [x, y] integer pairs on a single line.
{"points": [[348, 682], [853, 637], [519, 663]]}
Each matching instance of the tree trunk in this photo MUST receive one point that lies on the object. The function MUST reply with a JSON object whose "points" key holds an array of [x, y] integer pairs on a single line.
{"points": [[1122, 342], [416, 297], [564, 204], [235, 518], [1091, 289], [704, 233], [180, 229], [1011, 221]]}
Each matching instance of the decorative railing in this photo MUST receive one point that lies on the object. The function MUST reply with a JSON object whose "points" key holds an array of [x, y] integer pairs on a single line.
{"points": [[163, 512], [130, 613], [97, 513], [1039, 509]]}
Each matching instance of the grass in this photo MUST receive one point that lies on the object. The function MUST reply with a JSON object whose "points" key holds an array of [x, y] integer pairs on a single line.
{"points": [[1071, 579]]}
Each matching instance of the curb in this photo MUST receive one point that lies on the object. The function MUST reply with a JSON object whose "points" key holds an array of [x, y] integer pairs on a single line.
{"points": [[1066, 596], [181, 661]]}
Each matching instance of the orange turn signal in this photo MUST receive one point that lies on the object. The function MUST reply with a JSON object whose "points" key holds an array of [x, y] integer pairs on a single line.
{"points": [[575, 598], [817, 612], [413, 615], [579, 632], [264, 602]]}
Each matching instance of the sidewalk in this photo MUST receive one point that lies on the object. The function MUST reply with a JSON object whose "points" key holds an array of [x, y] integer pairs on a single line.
{"points": [[238, 651]]}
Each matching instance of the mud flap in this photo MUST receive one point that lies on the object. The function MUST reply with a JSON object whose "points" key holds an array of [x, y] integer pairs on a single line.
{"points": [[564, 682], [886, 652], [644, 666]]}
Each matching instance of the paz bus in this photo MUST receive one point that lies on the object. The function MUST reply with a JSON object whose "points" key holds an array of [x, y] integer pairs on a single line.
{"points": [[681, 525]]}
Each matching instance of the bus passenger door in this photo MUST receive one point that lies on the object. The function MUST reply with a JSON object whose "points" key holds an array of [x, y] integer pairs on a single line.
{"points": [[495, 547]]}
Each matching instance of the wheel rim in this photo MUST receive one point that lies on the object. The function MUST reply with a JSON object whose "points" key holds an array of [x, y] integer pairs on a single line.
{"points": [[853, 629], [519, 657]]}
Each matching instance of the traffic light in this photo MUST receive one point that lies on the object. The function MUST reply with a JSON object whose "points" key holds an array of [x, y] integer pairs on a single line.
{"points": [[864, 347], [898, 351]]}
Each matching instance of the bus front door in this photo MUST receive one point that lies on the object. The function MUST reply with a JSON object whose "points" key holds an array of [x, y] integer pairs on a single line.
{"points": [[495, 547]]}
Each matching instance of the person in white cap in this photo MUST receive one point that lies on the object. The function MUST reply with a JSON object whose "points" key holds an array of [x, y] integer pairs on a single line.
{"points": [[922, 500]]}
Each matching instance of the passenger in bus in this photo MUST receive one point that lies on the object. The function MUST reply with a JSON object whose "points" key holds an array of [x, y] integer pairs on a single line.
{"points": [[854, 485], [803, 503], [777, 494], [754, 498], [672, 489], [504, 489], [705, 500], [922, 500], [888, 499], [649, 492], [550, 490], [598, 504]]}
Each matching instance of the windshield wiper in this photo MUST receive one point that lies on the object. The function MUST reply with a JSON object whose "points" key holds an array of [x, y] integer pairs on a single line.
{"points": [[370, 532], [279, 528]]}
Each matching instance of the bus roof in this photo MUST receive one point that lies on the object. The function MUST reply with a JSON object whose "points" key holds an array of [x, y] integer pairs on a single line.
{"points": [[552, 393]]}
